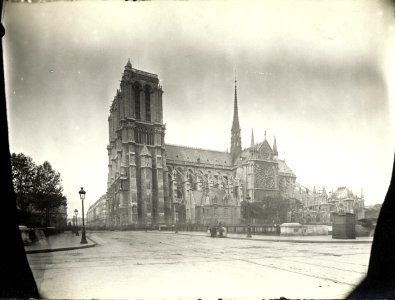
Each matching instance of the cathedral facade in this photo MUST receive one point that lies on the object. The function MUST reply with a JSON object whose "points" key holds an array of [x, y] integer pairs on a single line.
{"points": [[151, 182]]}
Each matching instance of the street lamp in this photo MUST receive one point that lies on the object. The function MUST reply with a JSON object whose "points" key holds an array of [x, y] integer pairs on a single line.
{"points": [[76, 223], [73, 228], [82, 197], [248, 198]]}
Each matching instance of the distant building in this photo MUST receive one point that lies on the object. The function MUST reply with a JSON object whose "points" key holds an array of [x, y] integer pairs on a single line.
{"points": [[151, 182], [96, 215], [316, 206], [344, 200]]}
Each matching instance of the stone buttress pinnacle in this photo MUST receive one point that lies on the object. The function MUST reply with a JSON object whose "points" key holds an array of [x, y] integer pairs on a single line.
{"points": [[275, 152]]}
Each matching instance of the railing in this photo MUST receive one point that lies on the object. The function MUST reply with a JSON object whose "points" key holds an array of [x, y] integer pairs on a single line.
{"points": [[265, 229], [255, 229]]}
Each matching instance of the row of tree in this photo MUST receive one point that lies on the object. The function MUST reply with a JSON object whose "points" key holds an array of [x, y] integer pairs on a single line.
{"points": [[269, 210], [38, 191], [373, 211]]}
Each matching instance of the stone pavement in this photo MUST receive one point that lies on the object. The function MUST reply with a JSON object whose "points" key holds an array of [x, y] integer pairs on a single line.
{"points": [[69, 241], [58, 242], [276, 238], [128, 264]]}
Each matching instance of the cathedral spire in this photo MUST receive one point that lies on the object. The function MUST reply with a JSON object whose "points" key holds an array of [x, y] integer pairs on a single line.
{"points": [[235, 124], [252, 138], [235, 143], [128, 64], [275, 152]]}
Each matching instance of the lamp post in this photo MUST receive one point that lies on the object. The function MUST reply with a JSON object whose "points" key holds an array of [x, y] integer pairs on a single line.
{"points": [[76, 223], [83, 236], [73, 228], [248, 198]]}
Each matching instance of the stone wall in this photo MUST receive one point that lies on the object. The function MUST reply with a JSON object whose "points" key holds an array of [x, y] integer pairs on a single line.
{"points": [[297, 229]]}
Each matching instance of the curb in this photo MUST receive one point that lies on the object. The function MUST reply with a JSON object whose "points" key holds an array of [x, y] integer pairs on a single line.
{"points": [[61, 248], [306, 241], [284, 240]]}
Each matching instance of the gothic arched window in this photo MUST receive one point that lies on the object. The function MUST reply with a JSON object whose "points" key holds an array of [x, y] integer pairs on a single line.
{"points": [[137, 107], [147, 104]]}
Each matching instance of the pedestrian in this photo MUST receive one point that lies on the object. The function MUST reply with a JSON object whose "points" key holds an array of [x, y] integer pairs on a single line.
{"points": [[213, 231], [221, 231]]}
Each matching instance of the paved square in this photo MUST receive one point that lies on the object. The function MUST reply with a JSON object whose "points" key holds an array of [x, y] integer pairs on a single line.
{"points": [[155, 265]]}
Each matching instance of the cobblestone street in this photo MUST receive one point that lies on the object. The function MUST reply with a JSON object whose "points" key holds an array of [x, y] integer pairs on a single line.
{"points": [[129, 264]]}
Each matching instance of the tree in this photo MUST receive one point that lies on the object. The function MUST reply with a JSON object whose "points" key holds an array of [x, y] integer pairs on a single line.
{"points": [[372, 211], [267, 210], [275, 210], [37, 188], [251, 210], [47, 190], [23, 171]]}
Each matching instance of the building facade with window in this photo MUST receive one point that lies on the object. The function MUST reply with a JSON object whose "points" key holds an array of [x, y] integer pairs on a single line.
{"points": [[96, 216]]}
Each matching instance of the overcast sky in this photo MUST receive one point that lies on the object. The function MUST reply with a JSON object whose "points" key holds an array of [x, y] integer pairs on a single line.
{"points": [[317, 75]]}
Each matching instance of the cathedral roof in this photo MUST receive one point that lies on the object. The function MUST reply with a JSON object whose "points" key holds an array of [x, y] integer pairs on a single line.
{"points": [[137, 71], [196, 155], [264, 144], [342, 193], [284, 169], [256, 151]]}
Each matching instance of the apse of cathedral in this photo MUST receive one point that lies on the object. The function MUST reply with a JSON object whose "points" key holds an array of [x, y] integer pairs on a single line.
{"points": [[151, 182]]}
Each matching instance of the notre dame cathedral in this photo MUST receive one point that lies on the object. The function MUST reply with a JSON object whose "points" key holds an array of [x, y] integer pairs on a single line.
{"points": [[151, 182]]}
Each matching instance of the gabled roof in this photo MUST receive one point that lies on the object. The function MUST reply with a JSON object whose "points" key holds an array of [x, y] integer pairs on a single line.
{"points": [[342, 193], [256, 150], [195, 155], [264, 144], [284, 169]]}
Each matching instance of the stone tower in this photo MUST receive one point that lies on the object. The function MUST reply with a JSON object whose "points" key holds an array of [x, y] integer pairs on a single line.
{"points": [[137, 190]]}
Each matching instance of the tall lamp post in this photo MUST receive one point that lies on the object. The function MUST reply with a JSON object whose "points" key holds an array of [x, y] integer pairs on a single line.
{"points": [[83, 236], [73, 228], [76, 223], [248, 198]]}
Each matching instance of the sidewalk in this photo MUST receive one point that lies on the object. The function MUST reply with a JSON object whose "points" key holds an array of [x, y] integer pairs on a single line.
{"points": [[59, 242], [277, 238]]}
